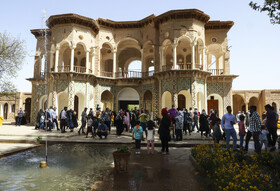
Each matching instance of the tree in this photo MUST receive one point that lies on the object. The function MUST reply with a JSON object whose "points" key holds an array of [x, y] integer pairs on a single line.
{"points": [[270, 6], [12, 54]]}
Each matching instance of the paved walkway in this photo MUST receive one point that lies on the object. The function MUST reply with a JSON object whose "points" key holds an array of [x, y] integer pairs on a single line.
{"points": [[155, 172]]}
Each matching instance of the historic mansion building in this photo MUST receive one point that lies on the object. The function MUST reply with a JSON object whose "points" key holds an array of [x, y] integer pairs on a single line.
{"points": [[184, 57]]}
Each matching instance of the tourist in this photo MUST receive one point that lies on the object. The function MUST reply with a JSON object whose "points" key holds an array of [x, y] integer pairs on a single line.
{"points": [[263, 137], [107, 118], [195, 121], [51, 115], [126, 120], [89, 125], [112, 118], [238, 116], [102, 130], [84, 121], [63, 119], [217, 134], [187, 122], [137, 135], [179, 126], [54, 118], [75, 119], [49, 120], [42, 121], [150, 137], [242, 132], [212, 120], [20, 113], [133, 119], [164, 131], [98, 108], [254, 129], [173, 113], [271, 125], [203, 123], [70, 119], [119, 124], [143, 121], [228, 121], [96, 122], [38, 119]]}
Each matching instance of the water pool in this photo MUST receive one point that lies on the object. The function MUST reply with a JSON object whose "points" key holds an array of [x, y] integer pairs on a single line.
{"points": [[70, 167]]}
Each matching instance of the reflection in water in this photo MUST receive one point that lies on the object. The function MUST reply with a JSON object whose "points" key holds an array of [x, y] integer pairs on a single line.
{"points": [[70, 167]]}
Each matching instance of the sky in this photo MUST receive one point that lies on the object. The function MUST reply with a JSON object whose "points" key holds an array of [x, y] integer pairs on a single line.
{"points": [[254, 41]]}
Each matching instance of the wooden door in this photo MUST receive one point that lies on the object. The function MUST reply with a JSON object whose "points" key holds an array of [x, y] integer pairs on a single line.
{"points": [[213, 104], [6, 111], [181, 101]]}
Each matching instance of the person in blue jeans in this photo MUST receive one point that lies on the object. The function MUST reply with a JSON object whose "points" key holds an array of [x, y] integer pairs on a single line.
{"points": [[137, 135], [228, 121]]}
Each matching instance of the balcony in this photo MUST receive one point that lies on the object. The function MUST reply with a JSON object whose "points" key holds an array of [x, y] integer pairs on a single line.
{"points": [[63, 68], [182, 66], [80, 69], [134, 74], [106, 74], [216, 72]]}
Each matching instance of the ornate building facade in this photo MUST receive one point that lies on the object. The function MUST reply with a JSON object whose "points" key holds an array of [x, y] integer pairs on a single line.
{"points": [[81, 62]]}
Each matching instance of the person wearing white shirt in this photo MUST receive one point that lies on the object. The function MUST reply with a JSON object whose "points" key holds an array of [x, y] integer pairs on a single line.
{"points": [[228, 121], [54, 116]]}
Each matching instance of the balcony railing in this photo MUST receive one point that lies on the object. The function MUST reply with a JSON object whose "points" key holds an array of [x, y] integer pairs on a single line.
{"points": [[106, 74], [129, 74], [185, 66], [42, 74], [198, 66], [63, 68], [80, 69], [216, 72]]}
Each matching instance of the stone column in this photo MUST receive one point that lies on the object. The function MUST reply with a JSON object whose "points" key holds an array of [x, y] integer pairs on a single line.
{"points": [[87, 61], [51, 60], [193, 93], [87, 95], [93, 62], [1, 110], [72, 59], [161, 52], [205, 96], [247, 106], [193, 54], [143, 69], [174, 55], [56, 59], [71, 95], [175, 100], [54, 96], [114, 63]]}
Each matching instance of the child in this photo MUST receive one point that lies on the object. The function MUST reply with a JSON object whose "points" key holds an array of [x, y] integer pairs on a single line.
{"points": [[137, 134], [89, 125], [263, 137], [150, 137], [217, 134], [242, 131]]}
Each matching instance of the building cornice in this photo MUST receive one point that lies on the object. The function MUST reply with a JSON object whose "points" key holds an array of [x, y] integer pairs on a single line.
{"points": [[72, 18], [219, 25], [41, 32]]}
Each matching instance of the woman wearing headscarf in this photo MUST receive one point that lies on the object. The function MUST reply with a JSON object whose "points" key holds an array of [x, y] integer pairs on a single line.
{"points": [[204, 125], [164, 131]]}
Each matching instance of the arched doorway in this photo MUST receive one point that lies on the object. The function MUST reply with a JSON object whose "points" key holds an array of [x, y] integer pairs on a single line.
{"points": [[148, 96], [188, 99], [6, 111], [128, 97], [181, 101], [238, 104], [107, 100], [27, 109], [166, 100], [215, 102]]}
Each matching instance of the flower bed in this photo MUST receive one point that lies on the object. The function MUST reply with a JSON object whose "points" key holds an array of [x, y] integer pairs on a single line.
{"points": [[236, 171]]}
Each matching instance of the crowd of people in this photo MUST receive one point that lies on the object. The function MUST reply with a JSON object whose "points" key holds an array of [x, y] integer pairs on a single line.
{"points": [[174, 124]]}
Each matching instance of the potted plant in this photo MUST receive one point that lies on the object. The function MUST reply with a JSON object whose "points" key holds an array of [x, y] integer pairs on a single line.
{"points": [[121, 157], [38, 139]]}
